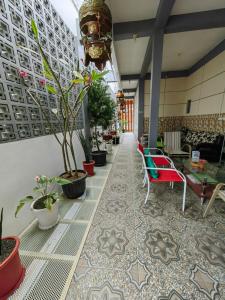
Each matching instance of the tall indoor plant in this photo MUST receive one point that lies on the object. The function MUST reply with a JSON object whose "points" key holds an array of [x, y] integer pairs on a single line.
{"points": [[66, 113], [88, 164], [11, 270], [101, 109]]}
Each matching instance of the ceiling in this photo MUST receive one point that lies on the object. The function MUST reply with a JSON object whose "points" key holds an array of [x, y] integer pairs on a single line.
{"points": [[130, 55], [181, 50], [130, 10], [191, 6]]}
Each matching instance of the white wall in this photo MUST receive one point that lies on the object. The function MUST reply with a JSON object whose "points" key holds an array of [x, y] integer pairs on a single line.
{"points": [[68, 12], [205, 88], [20, 162]]}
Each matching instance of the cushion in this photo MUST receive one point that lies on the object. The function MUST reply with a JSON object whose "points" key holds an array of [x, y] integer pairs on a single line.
{"points": [[150, 164]]}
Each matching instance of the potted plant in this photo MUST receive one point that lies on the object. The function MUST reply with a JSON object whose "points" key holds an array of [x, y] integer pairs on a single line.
{"points": [[46, 206], [66, 112], [88, 164], [101, 111], [123, 124], [11, 270]]}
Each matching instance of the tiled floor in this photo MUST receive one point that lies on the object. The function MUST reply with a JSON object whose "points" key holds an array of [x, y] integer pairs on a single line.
{"points": [[153, 252]]}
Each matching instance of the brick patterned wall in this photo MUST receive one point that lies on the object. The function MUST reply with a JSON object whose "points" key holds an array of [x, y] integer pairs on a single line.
{"points": [[208, 123]]}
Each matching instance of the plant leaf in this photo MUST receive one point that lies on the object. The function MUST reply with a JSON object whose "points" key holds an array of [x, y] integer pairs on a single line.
{"points": [[78, 75], [34, 29], [61, 181], [51, 89], [47, 71], [22, 203], [96, 76], [77, 81], [48, 203]]}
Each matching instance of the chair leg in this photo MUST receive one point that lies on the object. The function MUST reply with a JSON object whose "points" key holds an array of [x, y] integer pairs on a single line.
{"points": [[184, 196], [146, 199], [144, 182], [210, 203]]}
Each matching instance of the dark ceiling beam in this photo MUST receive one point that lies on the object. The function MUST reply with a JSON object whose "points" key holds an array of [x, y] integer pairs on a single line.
{"points": [[128, 30], [183, 73], [129, 77], [176, 23], [147, 59], [167, 74], [209, 56], [196, 21], [162, 17], [129, 90]]}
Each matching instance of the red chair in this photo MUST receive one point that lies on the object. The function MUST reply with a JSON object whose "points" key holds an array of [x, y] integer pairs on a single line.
{"points": [[170, 175], [159, 160]]}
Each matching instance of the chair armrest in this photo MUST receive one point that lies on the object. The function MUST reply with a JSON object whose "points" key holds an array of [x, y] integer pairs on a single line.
{"points": [[155, 149], [219, 186]]}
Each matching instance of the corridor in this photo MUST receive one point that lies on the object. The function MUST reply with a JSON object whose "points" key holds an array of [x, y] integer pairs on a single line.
{"points": [[149, 252]]}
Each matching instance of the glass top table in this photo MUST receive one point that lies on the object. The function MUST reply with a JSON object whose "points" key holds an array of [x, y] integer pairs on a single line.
{"points": [[208, 175], [202, 182]]}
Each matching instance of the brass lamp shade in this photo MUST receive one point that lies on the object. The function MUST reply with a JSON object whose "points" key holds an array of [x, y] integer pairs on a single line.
{"points": [[96, 29]]}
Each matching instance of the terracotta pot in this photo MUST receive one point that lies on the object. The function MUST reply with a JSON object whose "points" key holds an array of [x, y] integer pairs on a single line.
{"points": [[89, 167], [11, 271]]}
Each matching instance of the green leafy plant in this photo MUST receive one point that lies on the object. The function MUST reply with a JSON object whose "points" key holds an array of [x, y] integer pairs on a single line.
{"points": [[1, 222], [85, 145], [101, 108], [45, 191], [67, 109], [123, 123]]}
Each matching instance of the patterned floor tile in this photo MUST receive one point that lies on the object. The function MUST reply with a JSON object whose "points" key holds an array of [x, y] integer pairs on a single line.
{"points": [[174, 295], [204, 282], [161, 245], [213, 249], [150, 252]]}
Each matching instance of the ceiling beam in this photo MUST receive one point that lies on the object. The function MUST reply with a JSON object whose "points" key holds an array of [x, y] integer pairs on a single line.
{"points": [[162, 17], [176, 23], [129, 90], [209, 56], [183, 73], [196, 21], [147, 59], [166, 74], [127, 30]]}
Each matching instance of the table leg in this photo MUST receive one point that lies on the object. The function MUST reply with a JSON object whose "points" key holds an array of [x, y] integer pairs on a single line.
{"points": [[203, 193]]}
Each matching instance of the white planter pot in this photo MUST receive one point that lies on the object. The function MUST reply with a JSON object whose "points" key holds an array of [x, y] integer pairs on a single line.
{"points": [[46, 218], [109, 148]]}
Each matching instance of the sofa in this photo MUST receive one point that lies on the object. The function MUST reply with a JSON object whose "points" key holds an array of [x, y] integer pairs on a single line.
{"points": [[209, 144]]}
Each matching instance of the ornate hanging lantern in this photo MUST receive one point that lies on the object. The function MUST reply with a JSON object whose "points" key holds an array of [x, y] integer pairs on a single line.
{"points": [[120, 97], [96, 29]]}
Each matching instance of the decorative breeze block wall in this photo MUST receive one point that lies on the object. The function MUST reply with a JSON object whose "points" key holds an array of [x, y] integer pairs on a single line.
{"points": [[20, 118]]}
